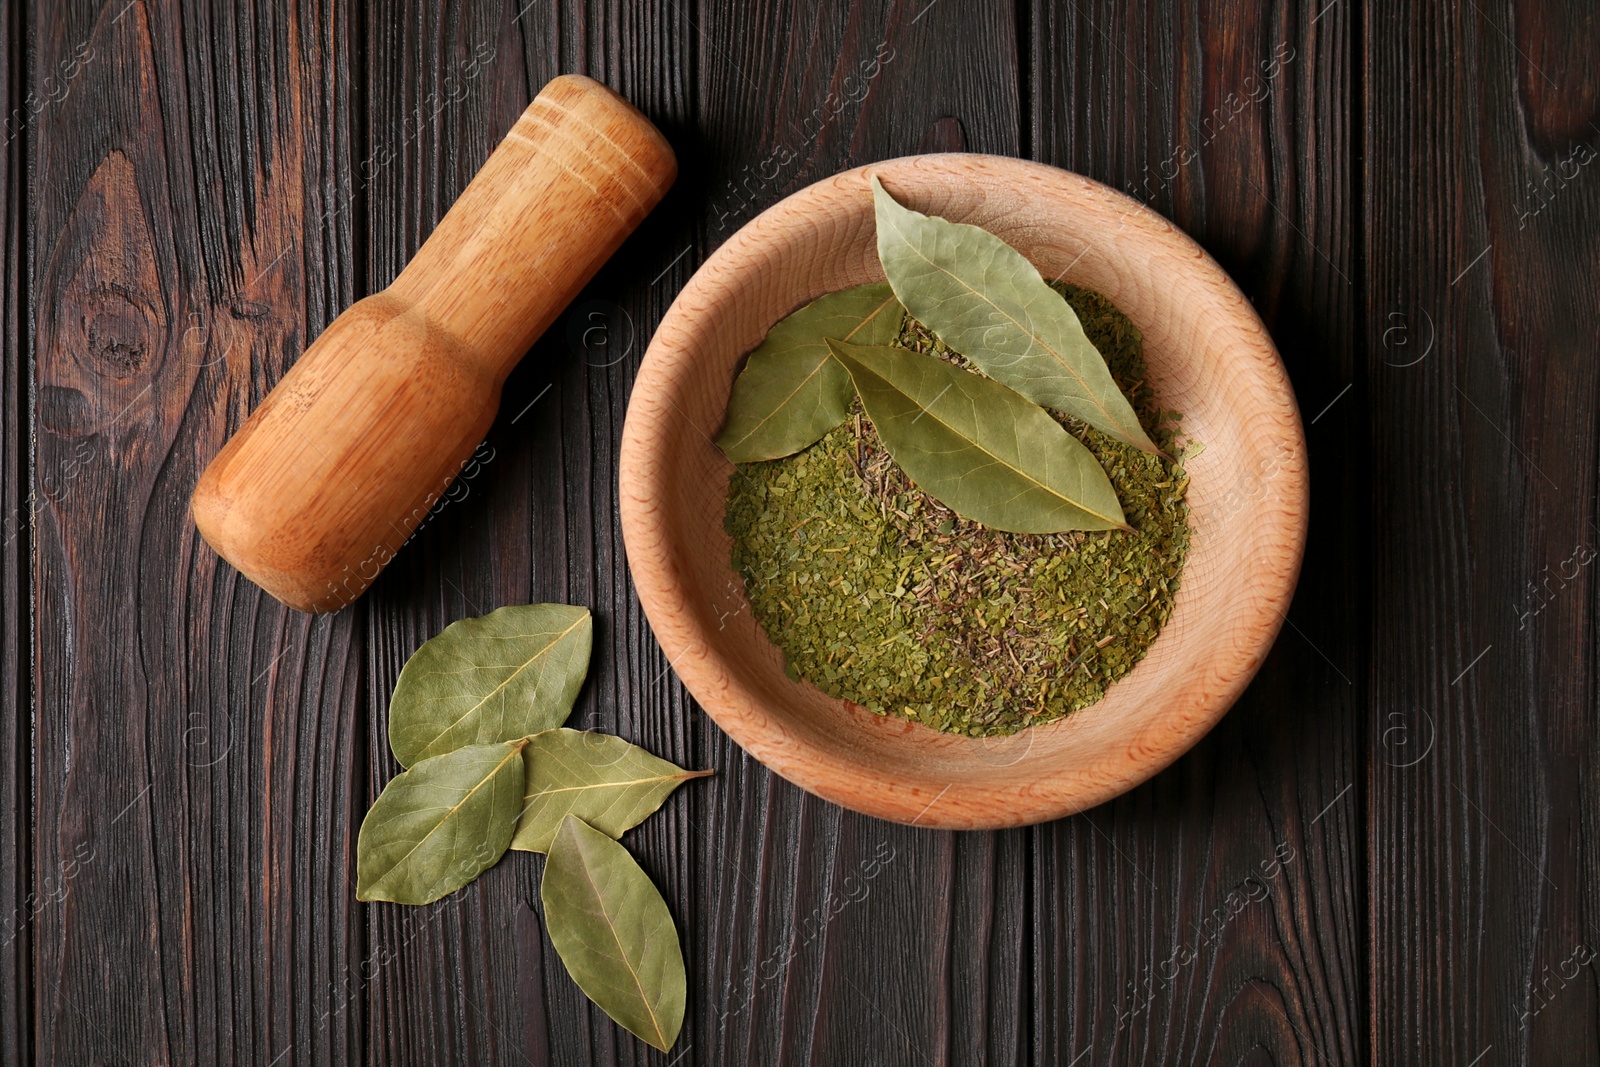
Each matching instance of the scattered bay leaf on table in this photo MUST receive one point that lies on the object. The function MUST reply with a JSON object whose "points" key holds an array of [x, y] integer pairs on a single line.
{"points": [[439, 825], [984, 299], [603, 780], [511, 673], [981, 449], [791, 391], [613, 931]]}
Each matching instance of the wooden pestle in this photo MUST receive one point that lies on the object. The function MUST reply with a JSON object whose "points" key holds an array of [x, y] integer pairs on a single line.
{"points": [[331, 474]]}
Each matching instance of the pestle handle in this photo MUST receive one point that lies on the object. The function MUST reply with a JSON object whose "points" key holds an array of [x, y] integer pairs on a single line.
{"points": [[324, 482]]}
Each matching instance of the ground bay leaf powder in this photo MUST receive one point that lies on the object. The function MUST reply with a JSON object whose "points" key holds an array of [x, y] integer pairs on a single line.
{"points": [[878, 594]]}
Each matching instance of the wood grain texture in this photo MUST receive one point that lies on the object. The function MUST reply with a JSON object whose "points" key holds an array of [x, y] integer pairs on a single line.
{"points": [[1485, 647], [17, 901], [482, 984], [195, 779], [222, 179], [1234, 121]]}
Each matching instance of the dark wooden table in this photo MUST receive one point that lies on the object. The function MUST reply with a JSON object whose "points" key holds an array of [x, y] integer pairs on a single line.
{"points": [[1388, 853]]}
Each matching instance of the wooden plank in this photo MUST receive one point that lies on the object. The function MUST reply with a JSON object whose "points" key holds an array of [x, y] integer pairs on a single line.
{"points": [[441, 91], [1219, 907], [18, 904], [194, 767], [644, 51], [476, 981], [828, 937], [1482, 219]]}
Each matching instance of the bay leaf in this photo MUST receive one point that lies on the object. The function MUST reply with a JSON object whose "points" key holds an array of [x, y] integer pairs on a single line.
{"points": [[984, 299], [603, 780], [439, 825], [980, 448], [613, 931], [503, 676], [791, 391]]}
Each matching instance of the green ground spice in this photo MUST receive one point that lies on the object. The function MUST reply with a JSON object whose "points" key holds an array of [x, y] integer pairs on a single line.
{"points": [[878, 594]]}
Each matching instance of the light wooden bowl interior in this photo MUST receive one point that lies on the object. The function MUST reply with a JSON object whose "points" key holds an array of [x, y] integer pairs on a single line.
{"points": [[1208, 356]]}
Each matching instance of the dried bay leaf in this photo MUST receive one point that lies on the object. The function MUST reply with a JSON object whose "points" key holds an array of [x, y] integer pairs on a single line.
{"points": [[503, 676], [603, 780], [439, 825], [614, 933], [981, 449], [791, 391], [984, 299]]}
